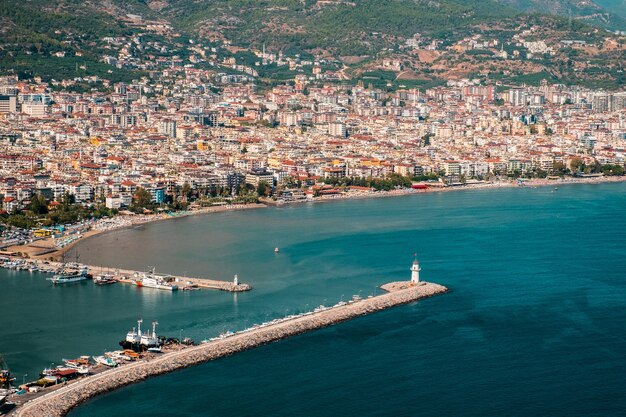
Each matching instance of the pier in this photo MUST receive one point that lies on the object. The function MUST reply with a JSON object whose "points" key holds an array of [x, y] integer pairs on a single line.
{"points": [[125, 276], [60, 401]]}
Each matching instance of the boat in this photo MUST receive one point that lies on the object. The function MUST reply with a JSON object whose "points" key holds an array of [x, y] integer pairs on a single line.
{"points": [[133, 338], [276, 250], [152, 280], [69, 276], [103, 360], [80, 364], [140, 342], [104, 279], [151, 340]]}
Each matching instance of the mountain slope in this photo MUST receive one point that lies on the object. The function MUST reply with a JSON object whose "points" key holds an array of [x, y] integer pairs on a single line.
{"points": [[343, 27], [615, 6], [610, 14]]}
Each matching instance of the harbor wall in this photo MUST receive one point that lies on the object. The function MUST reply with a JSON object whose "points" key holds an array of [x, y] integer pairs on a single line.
{"points": [[61, 401]]}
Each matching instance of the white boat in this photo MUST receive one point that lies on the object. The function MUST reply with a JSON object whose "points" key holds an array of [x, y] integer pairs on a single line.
{"points": [[151, 340], [70, 276], [152, 280], [134, 336], [104, 279], [103, 360]]}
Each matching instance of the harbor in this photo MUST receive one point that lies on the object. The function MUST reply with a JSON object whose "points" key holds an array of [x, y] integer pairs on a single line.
{"points": [[74, 272], [62, 399]]}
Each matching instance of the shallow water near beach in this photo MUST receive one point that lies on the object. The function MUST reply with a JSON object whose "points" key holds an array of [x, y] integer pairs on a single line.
{"points": [[534, 324]]}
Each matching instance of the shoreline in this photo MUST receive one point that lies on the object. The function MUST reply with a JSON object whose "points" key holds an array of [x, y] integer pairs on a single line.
{"points": [[62, 400], [121, 222]]}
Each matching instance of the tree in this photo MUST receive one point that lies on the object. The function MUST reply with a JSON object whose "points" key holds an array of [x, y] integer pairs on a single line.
{"points": [[142, 198], [186, 191], [576, 164], [38, 204], [263, 189]]}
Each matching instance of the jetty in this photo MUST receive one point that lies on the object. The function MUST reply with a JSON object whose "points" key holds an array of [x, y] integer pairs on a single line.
{"points": [[123, 276], [60, 401]]}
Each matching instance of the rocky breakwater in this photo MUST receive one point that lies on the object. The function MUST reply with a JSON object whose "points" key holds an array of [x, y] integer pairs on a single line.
{"points": [[61, 401]]}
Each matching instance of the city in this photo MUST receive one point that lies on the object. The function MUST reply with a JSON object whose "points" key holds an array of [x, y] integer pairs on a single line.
{"points": [[167, 161]]}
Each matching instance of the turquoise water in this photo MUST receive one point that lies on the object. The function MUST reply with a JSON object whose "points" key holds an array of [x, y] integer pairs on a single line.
{"points": [[534, 324]]}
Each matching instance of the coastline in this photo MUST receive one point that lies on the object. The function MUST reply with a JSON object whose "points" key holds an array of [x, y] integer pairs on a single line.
{"points": [[119, 222]]}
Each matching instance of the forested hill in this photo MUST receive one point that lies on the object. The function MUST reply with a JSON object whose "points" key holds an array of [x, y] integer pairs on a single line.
{"points": [[342, 27], [423, 41]]}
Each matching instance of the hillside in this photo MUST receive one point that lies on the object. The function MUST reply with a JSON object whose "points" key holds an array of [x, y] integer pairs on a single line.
{"points": [[389, 43], [340, 27], [616, 6], [610, 14]]}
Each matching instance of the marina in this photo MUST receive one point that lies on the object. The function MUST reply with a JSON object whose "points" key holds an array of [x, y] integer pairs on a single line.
{"points": [[60, 401]]}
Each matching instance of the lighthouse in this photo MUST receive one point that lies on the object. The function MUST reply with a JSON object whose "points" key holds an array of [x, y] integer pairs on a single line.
{"points": [[415, 271], [236, 280]]}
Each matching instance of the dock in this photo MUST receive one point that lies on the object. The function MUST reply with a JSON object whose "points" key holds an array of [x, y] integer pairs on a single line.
{"points": [[125, 276], [60, 401]]}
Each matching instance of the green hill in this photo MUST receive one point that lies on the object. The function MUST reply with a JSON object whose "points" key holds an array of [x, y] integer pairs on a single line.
{"points": [[342, 27], [610, 14], [616, 6]]}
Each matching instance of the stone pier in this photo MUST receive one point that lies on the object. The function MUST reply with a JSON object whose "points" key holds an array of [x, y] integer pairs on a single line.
{"points": [[61, 401]]}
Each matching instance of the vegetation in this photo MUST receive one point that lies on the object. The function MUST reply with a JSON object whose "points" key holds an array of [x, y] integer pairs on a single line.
{"points": [[388, 183], [40, 214]]}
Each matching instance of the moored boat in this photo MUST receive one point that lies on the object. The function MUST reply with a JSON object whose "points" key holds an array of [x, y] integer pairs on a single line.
{"points": [[152, 280], [104, 279], [103, 360], [69, 276]]}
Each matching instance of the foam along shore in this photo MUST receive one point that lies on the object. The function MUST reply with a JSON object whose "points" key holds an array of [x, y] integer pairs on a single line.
{"points": [[62, 400]]}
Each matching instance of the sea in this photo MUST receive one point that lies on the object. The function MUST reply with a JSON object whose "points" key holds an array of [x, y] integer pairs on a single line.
{"points": [[534, 324]]}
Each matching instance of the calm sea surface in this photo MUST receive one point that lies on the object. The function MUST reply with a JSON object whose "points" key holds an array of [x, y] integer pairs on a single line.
{"points": [[535, 323]]}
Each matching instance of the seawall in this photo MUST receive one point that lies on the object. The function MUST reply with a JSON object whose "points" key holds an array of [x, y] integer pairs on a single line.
{"points": [[61, 401]]}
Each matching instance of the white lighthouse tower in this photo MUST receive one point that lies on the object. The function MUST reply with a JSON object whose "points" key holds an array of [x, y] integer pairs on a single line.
{"points": [[236, 280], [415, 271]]}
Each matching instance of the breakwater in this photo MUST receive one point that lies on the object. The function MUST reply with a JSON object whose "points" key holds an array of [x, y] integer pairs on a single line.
{"points": [[62, 400]]}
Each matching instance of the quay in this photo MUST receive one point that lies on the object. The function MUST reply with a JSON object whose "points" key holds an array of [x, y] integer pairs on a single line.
{"points": [[60, 401], [125, 276]]}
